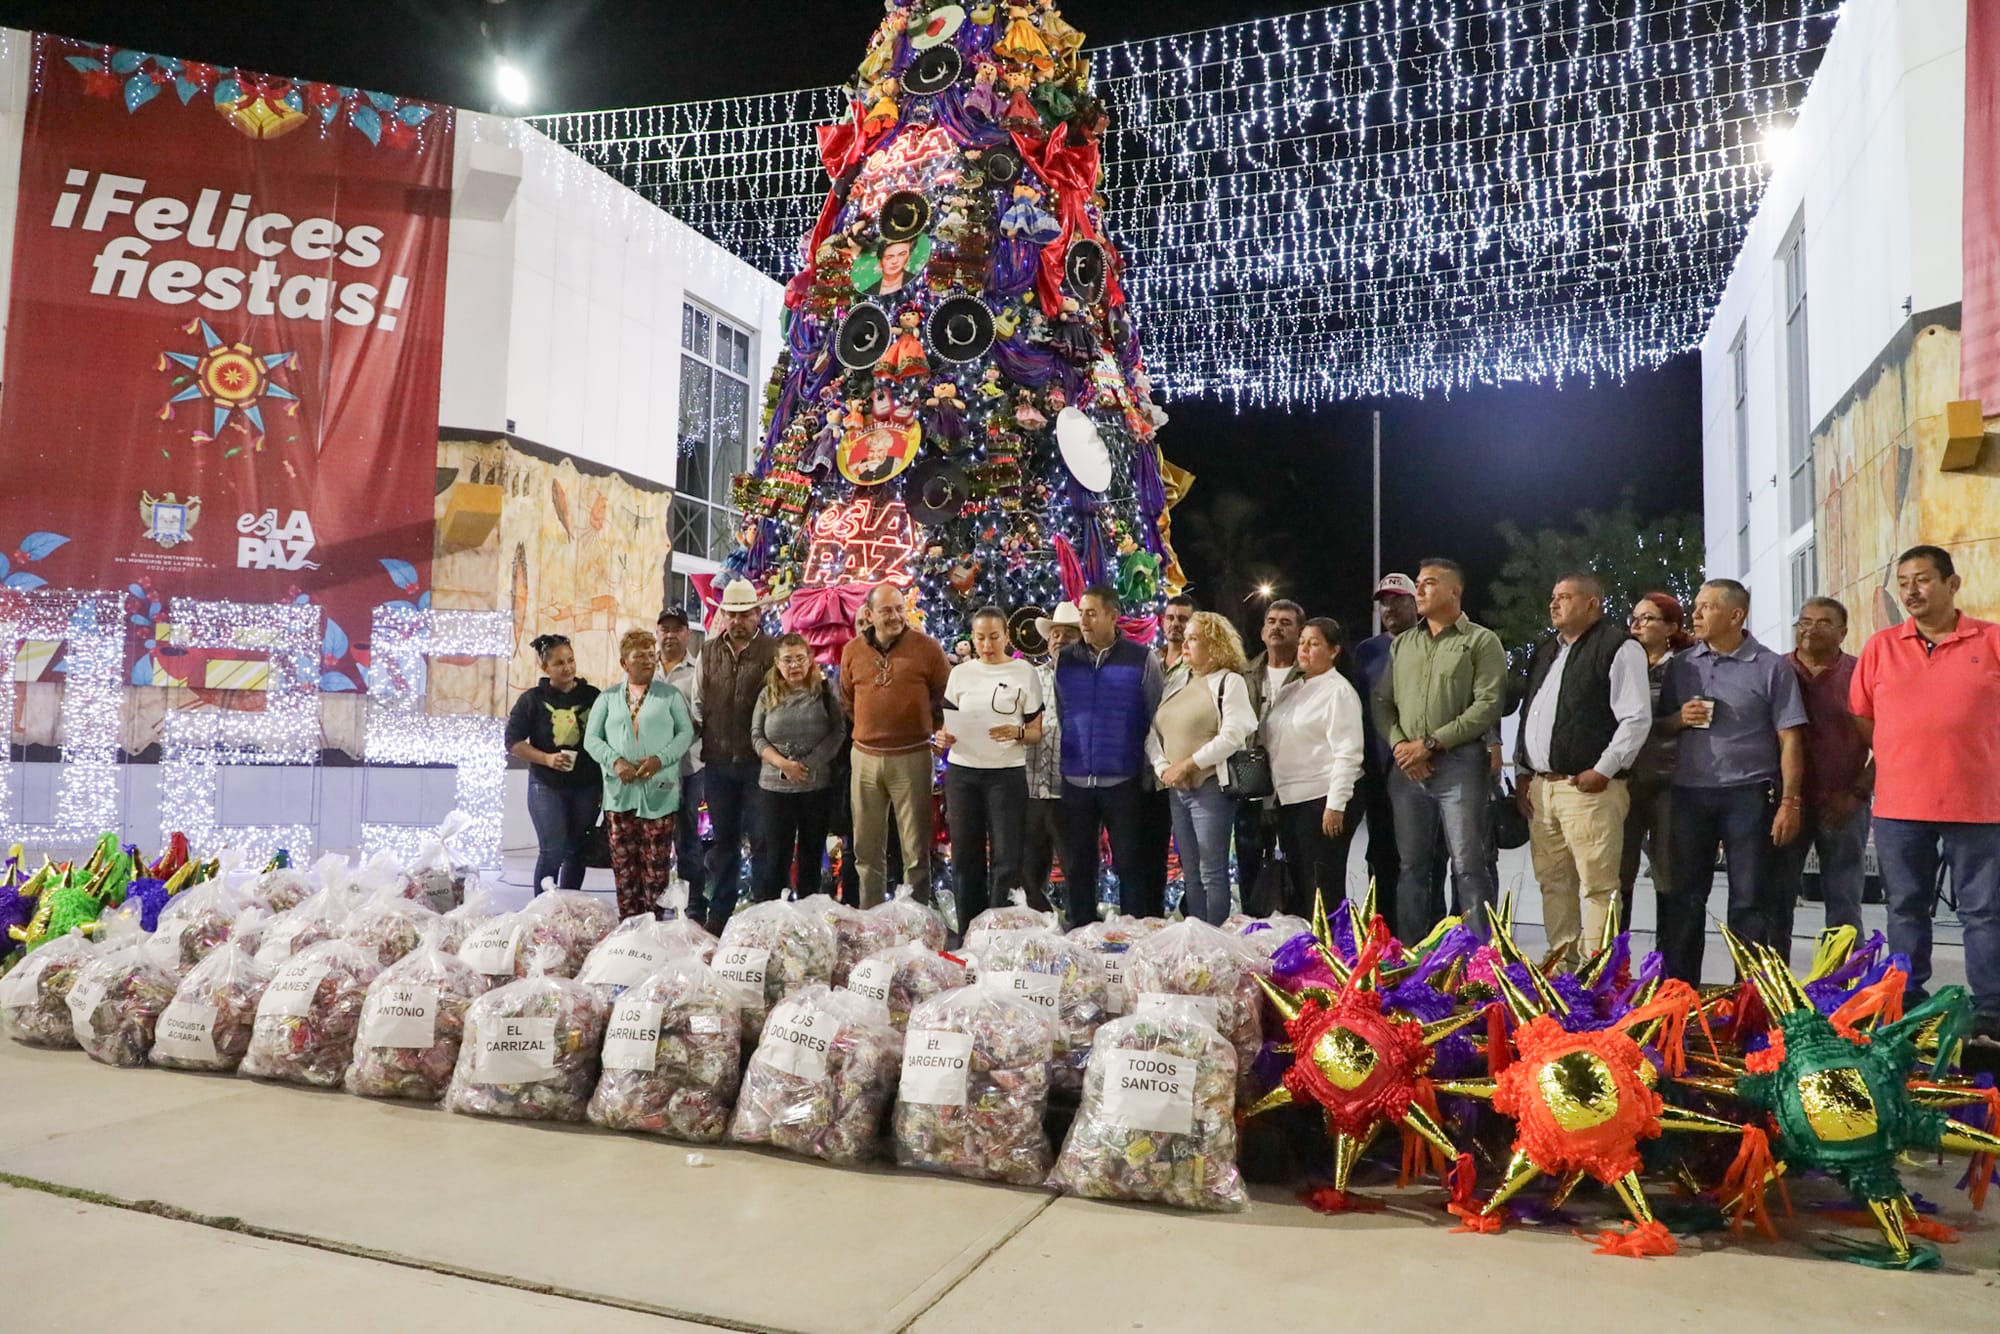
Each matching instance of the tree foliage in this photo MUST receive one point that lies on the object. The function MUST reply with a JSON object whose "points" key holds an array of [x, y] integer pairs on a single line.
{"points": [[1633, 556]]}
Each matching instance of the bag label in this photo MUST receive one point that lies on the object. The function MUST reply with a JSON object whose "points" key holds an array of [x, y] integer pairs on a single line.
{"points": [[1208, 1007], [290, 994], [632, 1042], [515, 1051], [18, 987], [1043, 989], [871, 978], [1115, 999], [84, 998], [744, 966], [400, 1015], [705, 1023], [622, 961], [936, 1065], [186, 1032], [796, 1040], [1144, 1090], [491, 949]]}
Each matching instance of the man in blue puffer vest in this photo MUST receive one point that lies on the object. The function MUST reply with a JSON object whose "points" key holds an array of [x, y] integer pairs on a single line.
{"points": [[1107, 688]]}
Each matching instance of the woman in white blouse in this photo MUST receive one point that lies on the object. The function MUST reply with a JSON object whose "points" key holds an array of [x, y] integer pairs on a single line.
{"points": [[1200, 723], [1313, 733]]}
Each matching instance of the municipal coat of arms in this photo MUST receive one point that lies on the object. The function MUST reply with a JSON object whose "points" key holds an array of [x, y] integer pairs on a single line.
{"points": [[168, 521]]}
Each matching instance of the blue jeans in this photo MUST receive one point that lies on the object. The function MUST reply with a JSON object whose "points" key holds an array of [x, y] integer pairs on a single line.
{"points": [[688, 855], [1203, 819], [1738, 818], [1909, 851], [1841, 844], [733, 804], [1455, 798], [563, 818]]}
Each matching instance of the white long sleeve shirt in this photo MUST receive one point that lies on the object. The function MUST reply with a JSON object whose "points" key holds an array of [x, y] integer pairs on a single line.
{"points": [[1313, 732], [1631, 704]]}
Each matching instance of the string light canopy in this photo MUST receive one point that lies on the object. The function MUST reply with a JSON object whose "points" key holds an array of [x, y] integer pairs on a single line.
{"points": [[1370, 198]]}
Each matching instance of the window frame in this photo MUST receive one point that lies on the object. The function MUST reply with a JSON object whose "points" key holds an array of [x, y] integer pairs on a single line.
{"points": [[716, 351]]}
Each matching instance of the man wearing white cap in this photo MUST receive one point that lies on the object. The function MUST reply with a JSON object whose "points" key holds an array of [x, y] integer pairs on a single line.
{"points": [[1045, 820], [1396, 595], [733, 667]]}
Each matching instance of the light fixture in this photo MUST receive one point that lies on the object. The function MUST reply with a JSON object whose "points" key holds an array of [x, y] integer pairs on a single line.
{"points": [[1778, 145], [511, 82]]}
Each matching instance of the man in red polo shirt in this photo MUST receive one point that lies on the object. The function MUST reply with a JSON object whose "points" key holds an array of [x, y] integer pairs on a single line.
{"points": [[1927, 693]]}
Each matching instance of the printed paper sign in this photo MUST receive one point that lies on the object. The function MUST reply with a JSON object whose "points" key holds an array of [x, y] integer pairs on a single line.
{"points": [[1207, 1007], [704, 1023], [632, 1042], [514, 1051], [623, 962], [935, 1067], [871, 978], [796, 1040], [290, 994], [491, 949], [84, 998], [18, 987], [1115, 999], [186, 1032], [400, 1015], [743, 966], [1145, 1090], [1043, 989]]}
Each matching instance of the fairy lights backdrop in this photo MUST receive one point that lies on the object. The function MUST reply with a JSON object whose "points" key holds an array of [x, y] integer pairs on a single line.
{"points": [[1379, 197]]}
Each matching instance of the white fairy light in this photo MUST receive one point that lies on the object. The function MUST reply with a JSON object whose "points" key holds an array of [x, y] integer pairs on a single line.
{"points": [[400, 732], [91, 626], [196, 743], [1377, 197]]}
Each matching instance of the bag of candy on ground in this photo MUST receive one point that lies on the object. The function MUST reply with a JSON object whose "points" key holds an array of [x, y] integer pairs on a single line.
{"points": [[308, 1016], [856, 934], [1217, 970], [567, 921], [770, 950], [199, 919], [1014, 916], [412, 1023], [34, 996], [1266, 934], [975, 1086], [1112, 937], [1158, 1120], [116, 1002], [214, 1012], [1063, 976], [635, 947], [530, 1050], [672, 1055], [388, 925], [822, 1077], [458, 925], [902, 977], [911, 920], [684, 934], [296, 930]]}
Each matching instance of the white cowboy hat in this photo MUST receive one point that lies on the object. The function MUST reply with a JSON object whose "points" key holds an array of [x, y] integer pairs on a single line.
{"points": [[1066, 614], [741, 595]]}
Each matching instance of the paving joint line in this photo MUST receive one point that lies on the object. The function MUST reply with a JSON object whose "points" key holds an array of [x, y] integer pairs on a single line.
{"points": [[977, 1265], [228, 1223]]}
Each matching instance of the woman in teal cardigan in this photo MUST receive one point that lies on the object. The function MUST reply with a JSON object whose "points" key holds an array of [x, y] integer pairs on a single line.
{"points": [[637, 736]]}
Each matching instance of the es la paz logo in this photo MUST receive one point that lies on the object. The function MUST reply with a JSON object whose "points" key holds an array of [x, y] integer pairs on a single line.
{"points": [[262, 543], [169, 521]]}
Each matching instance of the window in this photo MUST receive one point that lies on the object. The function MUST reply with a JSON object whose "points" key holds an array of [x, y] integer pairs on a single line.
{"points": [[1739, 371], [1798, 425], [681, 593], [1805, 577], [714, 431]]}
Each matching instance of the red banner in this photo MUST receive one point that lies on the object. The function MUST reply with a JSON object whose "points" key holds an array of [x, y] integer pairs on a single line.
{"points": [[223, 345], [1979, 319]]}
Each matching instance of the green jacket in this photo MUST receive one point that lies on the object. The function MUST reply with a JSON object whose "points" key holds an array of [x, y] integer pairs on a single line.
{"points": [[1451, 686], [664, 730]]}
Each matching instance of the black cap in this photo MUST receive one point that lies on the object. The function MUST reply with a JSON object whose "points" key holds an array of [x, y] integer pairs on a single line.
{"points": [[674, 614]]}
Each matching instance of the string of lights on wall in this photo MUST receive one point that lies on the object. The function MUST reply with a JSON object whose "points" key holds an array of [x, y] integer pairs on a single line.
{"points": [[90, 626], [1377, 197]]}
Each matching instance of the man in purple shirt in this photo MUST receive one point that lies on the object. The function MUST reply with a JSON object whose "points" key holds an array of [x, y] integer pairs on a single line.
{"points": [[1738, 781], [1839, 779]]}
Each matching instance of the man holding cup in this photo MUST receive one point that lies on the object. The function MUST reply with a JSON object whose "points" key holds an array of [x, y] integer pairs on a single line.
{"points": [[1738, 780]]}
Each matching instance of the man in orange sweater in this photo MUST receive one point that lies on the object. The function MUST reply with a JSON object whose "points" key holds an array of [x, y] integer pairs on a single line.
{"points": [[892, 680]]}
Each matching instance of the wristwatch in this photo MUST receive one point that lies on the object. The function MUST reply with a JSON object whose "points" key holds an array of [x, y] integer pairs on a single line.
{"points": [[1433, 745]]}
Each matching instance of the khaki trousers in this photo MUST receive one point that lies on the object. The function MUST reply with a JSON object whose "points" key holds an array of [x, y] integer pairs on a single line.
{"points": [[1576, 840], [883, 784]]}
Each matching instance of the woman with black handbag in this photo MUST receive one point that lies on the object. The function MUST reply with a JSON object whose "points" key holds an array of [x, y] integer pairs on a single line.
{"points": [[1201, 723], [1314, 734]]}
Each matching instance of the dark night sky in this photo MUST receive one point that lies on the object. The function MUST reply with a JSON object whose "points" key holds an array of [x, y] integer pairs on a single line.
{"points": [[1451, 468]]}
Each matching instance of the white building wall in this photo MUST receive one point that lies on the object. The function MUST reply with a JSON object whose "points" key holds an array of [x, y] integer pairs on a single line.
{"points": [[1875, 165]]}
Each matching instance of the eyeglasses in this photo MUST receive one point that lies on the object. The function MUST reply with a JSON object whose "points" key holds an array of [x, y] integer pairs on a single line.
{"points": [[1649, 620]]}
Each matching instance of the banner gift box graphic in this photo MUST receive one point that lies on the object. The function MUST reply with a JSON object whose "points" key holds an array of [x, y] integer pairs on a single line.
{"points": [[223, 348]]}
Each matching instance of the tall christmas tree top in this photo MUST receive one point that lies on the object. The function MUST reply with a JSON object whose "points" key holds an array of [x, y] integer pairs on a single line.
{"points": [[961, 406]]}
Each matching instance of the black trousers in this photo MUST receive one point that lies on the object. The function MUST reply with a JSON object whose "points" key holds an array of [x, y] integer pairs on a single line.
{"points": [[1253, 845], [1038, 857], [987, 812], [1316, 863], [794, 824], [1156, 832], [1115, 810]]}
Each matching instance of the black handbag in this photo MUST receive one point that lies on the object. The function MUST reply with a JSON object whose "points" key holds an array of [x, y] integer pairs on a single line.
{"points": [[1250, 767], [1510, 827], [597, 845]]}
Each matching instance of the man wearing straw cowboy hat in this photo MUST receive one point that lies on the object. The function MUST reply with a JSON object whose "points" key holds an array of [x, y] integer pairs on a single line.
{"points": [[1045, 818], [733, 666]]}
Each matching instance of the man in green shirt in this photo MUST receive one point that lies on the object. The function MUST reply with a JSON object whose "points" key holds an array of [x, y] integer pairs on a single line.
{"points": [[1442, 693]]}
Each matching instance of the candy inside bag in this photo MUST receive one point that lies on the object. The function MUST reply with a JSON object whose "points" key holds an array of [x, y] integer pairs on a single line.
{"points": [[1216, 969], [388, 924], [636, 947], [1064, 977], [439, 881], [683, 934], [309, 1014], [1266, 934], [1013, 916], [856, 934], [199, 919], [1112, 937], [903, 977], [672, 1055], [116, 1001], [34, 995], [562, 927], [975, 1087], [281, 889], [1157, 1122], [822, 1077], [457, 926], [319, 918], [413, 1023], [911, 920], [530, 1049], [209, 1023], [770, 950]]}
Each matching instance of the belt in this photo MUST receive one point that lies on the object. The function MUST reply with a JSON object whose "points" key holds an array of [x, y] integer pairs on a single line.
{"points": [[1558, 778]]}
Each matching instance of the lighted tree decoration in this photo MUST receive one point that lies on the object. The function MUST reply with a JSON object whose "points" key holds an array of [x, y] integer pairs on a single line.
{"points": [[960, 406]]}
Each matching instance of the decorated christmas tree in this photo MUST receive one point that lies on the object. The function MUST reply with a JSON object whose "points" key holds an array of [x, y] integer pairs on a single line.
{"points": [[961, 406]]}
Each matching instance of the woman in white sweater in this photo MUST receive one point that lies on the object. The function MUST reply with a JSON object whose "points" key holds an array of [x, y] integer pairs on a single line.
{"points": [[1201, 722], [1313, 733]]}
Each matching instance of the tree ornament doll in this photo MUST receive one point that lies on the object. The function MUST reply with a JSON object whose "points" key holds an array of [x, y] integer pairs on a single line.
{"points": [[1022, 43]]}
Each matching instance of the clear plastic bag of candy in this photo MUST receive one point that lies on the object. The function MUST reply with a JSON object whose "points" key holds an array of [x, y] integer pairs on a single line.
{"points": [[388, 925], [636, 947], [1064, 977], [296, 930], [413, 1024], [530, 1050], [770, 950], [1216, 969], [1157, 1124], [561, 928], [856, 934], [683, 934], [116, 1001], [822, 1077], [672, 1055], [309, 1014], [912, 921], [1112, 937], [440, 881], [1266, 934], [1014, 916], [902, 977], [494, 947], [34, 994], [458, 925], [199, 919], [281, 889], [213, 1013], [975, 1086]]}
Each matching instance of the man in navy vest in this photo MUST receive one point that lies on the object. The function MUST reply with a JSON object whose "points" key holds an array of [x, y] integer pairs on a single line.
{"points": [[1587, 713], [1107, 688]]}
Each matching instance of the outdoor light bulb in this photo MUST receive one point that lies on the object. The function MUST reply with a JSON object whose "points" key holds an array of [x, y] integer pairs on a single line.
{"points": [[1265, 590], [1778, 146], [511, 83]]}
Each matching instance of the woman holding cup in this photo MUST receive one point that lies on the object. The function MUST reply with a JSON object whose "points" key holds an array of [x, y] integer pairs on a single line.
{"points": [[545, 730]]}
